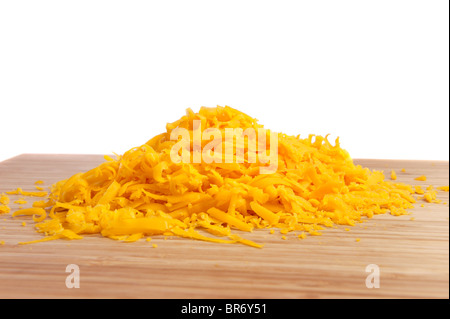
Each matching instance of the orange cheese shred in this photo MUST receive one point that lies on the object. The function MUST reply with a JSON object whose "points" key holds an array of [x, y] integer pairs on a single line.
{"points": [[422, 178], [393, 175], [19, 191], [38, 214]]}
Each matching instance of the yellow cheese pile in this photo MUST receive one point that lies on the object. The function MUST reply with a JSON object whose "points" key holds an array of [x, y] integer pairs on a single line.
{"points": [[143, 192]]}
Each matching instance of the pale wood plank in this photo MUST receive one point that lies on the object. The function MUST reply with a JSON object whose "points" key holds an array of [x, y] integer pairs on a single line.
{"points": [[412, 255]]}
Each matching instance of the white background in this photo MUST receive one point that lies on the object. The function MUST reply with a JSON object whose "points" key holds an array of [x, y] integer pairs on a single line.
{"points": [[105, 76]]}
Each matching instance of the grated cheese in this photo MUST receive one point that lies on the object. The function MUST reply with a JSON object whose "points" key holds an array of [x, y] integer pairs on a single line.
{"points": [[143, 192], [19, 191], [4, 199], [393, 175], [4, 209], [421, 178], [38, 214], [431, 195], [302, 236], [418, 189]]}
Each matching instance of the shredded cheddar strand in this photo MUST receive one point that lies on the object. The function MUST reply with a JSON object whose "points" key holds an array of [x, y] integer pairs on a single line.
{"points": [[422, 178], [38, 214], [144, 193], [19, 191]]}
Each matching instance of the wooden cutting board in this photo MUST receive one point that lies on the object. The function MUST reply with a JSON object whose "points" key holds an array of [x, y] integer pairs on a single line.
{"points": [[412, 255]]}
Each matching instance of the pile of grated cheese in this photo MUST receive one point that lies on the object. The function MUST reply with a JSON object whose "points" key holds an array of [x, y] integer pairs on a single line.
{"points": [[143, 192]]}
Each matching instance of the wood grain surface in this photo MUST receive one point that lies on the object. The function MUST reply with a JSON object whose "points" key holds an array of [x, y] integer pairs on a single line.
{"points": [[412, 255]]}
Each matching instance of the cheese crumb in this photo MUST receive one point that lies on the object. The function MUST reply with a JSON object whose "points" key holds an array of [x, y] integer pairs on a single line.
{"points": [[393, 175]]}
